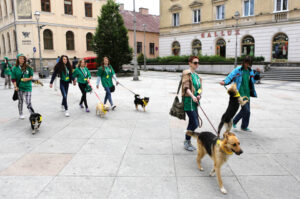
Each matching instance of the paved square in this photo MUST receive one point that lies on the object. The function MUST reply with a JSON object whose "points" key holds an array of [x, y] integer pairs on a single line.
{"points": [[135, 154]]}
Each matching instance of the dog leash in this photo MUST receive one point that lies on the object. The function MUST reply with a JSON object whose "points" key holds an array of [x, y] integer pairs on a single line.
{"points": [[127, 88], [95, 93], [208, 120]]}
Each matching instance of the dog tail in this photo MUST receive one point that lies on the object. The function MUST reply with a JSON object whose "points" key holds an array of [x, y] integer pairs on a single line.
{"points": [[192, 134]]}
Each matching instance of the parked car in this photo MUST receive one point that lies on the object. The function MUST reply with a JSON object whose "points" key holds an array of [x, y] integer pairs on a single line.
{"points": [[91, 63]]}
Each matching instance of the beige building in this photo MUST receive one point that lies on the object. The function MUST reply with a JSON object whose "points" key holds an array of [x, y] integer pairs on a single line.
{"points": [[67, 28], [151, 30], [268, 28]]}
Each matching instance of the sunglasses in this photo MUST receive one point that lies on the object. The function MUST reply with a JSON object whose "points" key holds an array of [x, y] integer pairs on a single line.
{"points": [[196, 63]]}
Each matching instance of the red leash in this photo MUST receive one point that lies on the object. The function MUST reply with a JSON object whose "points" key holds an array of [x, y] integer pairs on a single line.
{"points": [[95, 92]]}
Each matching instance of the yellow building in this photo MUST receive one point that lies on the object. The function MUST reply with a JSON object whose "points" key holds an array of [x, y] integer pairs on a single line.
{"points": [[67, 28], [268, 28]]}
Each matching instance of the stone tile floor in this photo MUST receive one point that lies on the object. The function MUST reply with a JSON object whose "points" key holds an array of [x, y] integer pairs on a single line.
{"points": [[135, 154]]}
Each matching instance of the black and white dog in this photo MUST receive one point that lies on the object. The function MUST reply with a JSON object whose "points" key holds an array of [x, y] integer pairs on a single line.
{"points": [[35, 122]]}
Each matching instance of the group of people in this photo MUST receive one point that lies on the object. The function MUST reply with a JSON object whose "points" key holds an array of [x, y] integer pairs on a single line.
{"points": [[21, 76], [192, 88]]}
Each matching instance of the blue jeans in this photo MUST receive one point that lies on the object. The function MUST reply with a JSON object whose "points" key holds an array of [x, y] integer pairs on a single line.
{"points": [[193, 122], [108, 96], [244, 114], [64, 87]]}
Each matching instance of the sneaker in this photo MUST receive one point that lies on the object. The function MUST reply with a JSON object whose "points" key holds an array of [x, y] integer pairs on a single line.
{"points": [[113, 108], [63, 108], [188, 146], [67, 113], [246, 130], [87, 110], [234, 126], [81, 106], [22, 117]]}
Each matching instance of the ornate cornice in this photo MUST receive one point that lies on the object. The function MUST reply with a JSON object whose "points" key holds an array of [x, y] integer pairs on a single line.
{"points": [[196, 4], [175, 8]]}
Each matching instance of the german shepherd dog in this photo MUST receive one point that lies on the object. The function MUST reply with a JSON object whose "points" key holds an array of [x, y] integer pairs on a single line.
{"points": [[141, 101], [218, 150], [235, 100], [35, 122]]}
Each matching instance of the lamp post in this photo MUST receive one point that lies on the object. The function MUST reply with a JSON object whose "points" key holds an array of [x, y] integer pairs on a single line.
{"points": [[144, 25], [37, 15], [237, 17], [135, 77]]}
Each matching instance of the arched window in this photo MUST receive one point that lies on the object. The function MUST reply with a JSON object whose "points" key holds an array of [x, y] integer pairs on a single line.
{"points": [[89, 41], [70, 40], [175, 48], [5, 8], [221, 47], [280, 46], [248, 46], [48, 39], [196, 47], [8, 39], [15, 41], [3, 41]]}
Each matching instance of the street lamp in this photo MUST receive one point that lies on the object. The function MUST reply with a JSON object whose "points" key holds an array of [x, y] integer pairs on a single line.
{"points": [[37, 15], [237, 17], [144, 25], [135, 77]]}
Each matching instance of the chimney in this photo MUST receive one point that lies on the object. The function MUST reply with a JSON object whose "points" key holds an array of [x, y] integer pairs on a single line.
{"points": [[121, 6], [144, 11]]}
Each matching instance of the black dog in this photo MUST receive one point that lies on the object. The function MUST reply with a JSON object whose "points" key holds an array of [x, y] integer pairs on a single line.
{"points": [[234, 103], [35, 122], [141, 101]]}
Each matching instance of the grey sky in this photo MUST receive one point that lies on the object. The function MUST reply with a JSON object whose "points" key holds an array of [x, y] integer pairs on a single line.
{"points": [[152, 5]]}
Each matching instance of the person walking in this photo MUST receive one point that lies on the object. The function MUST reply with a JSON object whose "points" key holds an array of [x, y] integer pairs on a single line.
{"points": [[63, 69], [83, 76], [21, 77], [191, 95], [75, 62], [245, 78], [105, 74], [7, 67]]}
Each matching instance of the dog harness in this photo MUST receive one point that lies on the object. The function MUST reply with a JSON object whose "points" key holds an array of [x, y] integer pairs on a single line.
{"points": [[237, 95], [223, 149], [145, 103]]}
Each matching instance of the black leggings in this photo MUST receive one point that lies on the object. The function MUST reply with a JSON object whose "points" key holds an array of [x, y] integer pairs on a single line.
{"points": [[83, 98]]}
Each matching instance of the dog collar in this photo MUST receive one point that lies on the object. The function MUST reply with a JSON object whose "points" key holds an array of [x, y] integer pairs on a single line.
{"points": [[237, 95], [223, 149], [145, 103], [104, 110]]}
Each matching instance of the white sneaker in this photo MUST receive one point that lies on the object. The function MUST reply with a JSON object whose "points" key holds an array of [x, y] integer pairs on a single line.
{"points": [[63, 108], [22, 117], [67, 114]]}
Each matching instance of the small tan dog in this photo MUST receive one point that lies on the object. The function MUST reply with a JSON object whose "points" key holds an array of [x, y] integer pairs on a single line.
{"points": [[102, 109], [218, 150]]}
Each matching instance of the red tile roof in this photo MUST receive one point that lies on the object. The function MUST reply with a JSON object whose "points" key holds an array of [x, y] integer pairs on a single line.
{"points": [[152, 21]]}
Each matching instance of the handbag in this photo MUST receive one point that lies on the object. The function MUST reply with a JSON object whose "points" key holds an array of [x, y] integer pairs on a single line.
{"points": [[15, 95], [112, 89], [177, 109], [88, 88]]}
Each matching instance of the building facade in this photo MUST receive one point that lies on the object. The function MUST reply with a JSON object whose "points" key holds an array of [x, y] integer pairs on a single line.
{"points": [[151, 30], [268, 28], [67, 28]]}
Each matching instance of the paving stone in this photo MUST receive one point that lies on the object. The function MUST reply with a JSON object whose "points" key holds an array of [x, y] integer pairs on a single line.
{"points": [[150, 147], [104, 147], [6, 159]]}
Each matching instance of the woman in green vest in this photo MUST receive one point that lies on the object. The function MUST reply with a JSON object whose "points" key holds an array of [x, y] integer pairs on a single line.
{"points": [[83, 76], [21, 77], [105, 74], [7, 67], [191, 95]]}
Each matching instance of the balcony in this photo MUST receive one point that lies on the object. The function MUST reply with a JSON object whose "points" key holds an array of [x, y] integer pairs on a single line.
{"points": [[280, 16]]}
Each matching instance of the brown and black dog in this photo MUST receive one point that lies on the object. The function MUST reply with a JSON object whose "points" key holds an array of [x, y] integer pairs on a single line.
{"points": [[218, 150]]}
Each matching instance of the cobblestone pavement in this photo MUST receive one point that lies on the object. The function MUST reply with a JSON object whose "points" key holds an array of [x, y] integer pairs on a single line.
{"points": [[135, 154]]}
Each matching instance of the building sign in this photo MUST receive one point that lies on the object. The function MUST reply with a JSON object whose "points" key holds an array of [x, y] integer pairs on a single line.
{"points": [[24, 9], [221, 33]]}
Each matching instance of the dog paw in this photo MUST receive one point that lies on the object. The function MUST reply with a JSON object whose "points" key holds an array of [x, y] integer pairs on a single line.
{"points": [[212, 174], [201, 169], [223, 190]]}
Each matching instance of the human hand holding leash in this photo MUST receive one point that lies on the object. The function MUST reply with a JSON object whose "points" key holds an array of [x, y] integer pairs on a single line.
{"points": [[51, 85], [222, 83]]}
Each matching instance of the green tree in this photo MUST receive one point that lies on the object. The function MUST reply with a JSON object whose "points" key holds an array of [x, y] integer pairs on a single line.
{"points": [[111, 39]]}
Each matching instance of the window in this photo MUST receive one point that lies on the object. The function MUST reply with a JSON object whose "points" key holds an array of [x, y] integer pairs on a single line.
{"points": [[197, 16], [280, 47], [46, 5], [248, 8], [196, 47], [88, 10], [281, 5], [175, 19], [248, 46], [3, 41], [12, 5], [151, 48], [70, 40], [8, 39], [68, 7], [5, 8], [220, 12], [89, 41], [15, 40], [175, 48], [221, 48], [139, 47], [48, 39]]}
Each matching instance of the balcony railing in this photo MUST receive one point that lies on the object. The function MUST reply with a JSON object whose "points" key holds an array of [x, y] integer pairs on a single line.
{"points": [[280, 16]]}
